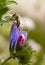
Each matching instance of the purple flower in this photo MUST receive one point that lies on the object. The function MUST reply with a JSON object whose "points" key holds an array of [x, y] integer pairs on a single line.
{"points": [[17, 37], [22, 38], [13, 35]]}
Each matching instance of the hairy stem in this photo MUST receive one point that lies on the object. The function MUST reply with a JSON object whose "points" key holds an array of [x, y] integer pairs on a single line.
{"points": [[6, 60]]}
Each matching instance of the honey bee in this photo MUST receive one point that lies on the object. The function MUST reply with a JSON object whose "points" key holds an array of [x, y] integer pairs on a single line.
{"points": [[16, 18]]}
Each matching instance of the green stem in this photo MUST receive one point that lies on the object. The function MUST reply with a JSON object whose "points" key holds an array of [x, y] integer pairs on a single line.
{"points": [[6, 60]]}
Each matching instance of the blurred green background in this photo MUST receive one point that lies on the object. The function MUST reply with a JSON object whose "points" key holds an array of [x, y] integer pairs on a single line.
{"points": [[30, 11]]}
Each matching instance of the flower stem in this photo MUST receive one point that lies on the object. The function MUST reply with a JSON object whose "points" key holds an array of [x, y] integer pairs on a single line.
{"points": [[6, 60]]}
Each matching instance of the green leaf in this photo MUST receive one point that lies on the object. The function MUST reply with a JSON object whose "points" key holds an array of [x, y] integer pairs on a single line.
{"points": [[3, 11], [3, 6], [4, 3], [8, 18], [11, 2]]}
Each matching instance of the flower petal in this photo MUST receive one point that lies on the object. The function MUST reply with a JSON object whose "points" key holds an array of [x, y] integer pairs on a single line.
{"points": [[24, 34], [13, 35]]}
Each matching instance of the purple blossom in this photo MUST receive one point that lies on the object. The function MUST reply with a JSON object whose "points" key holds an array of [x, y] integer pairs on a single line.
{"points": [[21, 39], [17, 37], [13, 35]]}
